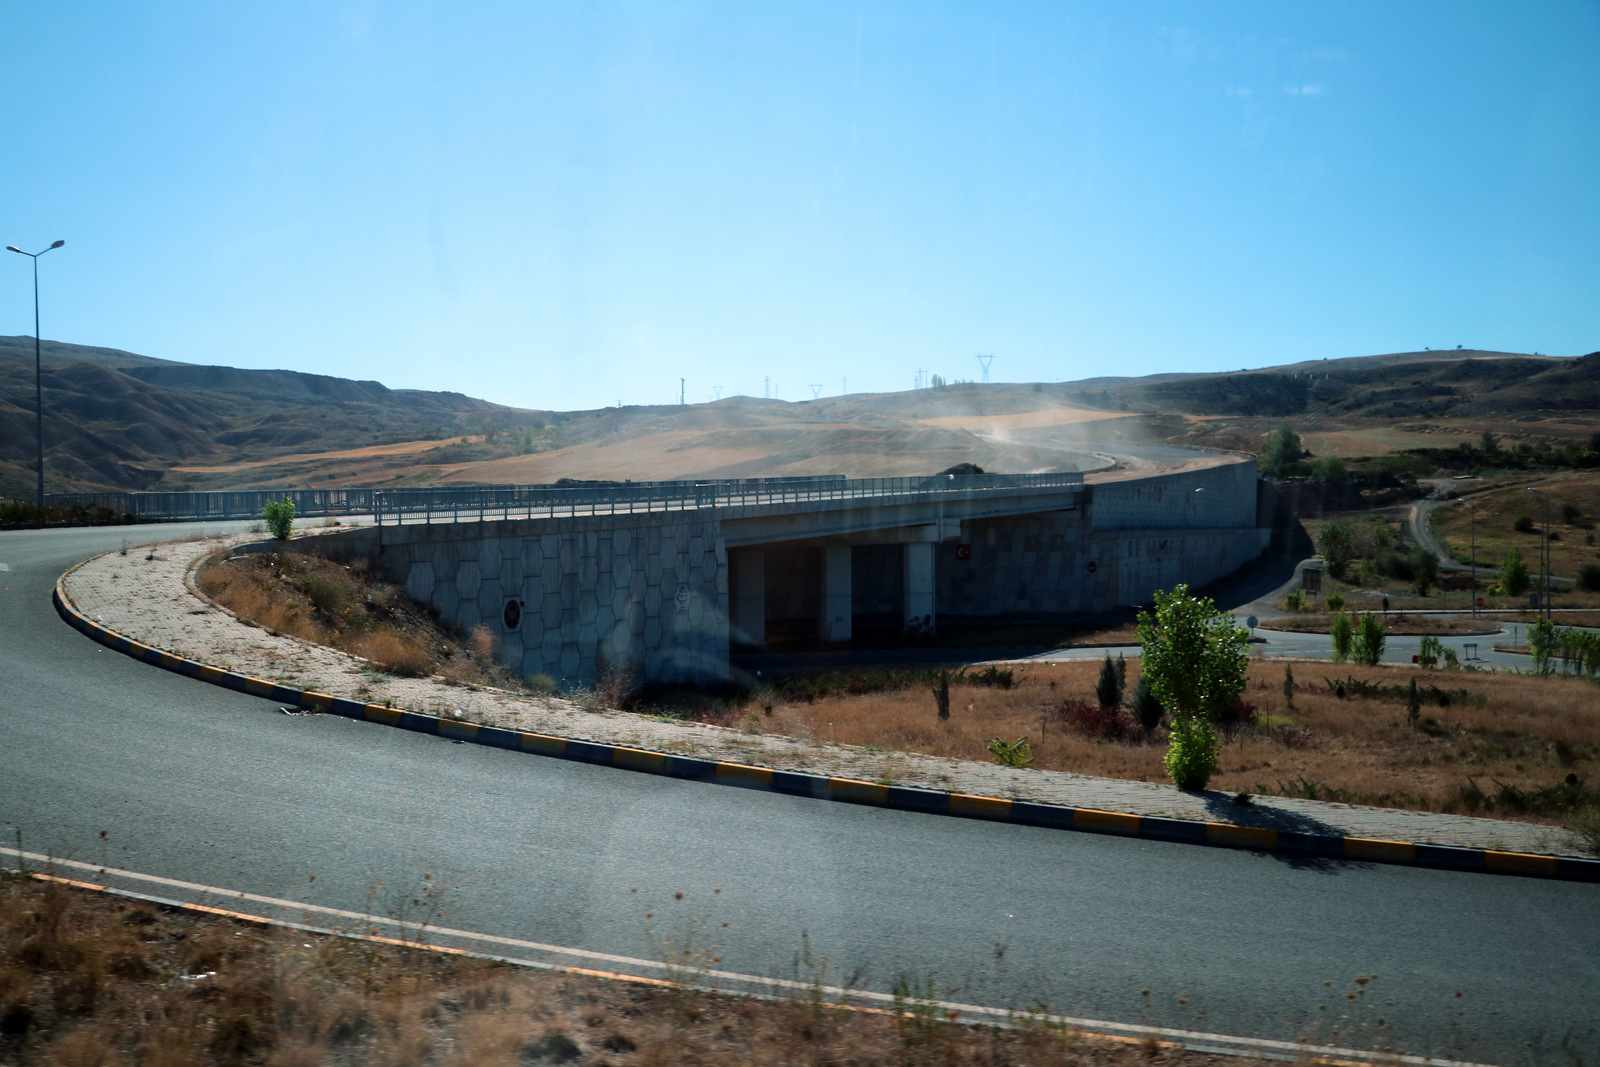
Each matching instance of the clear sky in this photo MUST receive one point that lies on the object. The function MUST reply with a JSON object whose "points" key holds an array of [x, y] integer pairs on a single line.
{"points": [[568, 205]]}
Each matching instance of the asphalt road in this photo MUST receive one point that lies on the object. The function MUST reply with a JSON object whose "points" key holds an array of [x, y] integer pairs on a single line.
{"points": [[192, 782]]}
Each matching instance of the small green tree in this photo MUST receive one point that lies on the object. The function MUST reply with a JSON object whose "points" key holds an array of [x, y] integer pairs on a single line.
{"points": [[279, 517], [1147, 710], [1370, 637], [1343, 635], [1335, 602], [1513, 574], [1288, 684], [1109, 688], [1430, 651], [1337, 541], [1195, 658], [1413, 705], [941, 695]]}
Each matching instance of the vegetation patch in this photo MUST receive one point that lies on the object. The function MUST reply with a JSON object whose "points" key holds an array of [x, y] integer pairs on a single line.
{"points": [[92, 979], [351, 608]]}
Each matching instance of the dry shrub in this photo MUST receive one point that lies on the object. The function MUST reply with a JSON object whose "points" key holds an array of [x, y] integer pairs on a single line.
{"points": [[404, 654], [281, 1004], [1094, 721]]}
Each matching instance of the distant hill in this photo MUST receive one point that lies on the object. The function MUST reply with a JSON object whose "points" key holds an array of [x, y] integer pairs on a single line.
{"points": [[116, 420], [1403, 385]]}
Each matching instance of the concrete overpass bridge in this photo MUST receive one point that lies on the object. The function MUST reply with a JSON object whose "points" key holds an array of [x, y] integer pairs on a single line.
{"points": [[659, 580]]}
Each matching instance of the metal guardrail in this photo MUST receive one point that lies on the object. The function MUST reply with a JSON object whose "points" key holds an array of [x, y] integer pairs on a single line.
{"points": [[238, 504], [476, 503], [426, 505]]}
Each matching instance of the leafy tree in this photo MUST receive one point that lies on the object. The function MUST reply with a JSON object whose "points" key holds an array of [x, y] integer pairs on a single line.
{"points": [[1282, 448], [1489, 443], [1343, 638], [1369, 641], [1337, 543], [279, 517], [1109, 688], [1288, 684], [1513, 574], [1194, 657]]}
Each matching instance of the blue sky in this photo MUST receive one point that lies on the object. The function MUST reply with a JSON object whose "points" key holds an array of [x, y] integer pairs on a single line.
{"points": [[569, 205]]}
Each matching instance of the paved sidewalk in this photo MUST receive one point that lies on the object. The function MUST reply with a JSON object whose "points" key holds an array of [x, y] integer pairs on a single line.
{"points": [[153, 600]]}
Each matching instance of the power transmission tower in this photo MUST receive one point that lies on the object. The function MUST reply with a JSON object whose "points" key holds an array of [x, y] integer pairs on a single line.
{"points": [[766, 387], [718, 390], [816, 390], [984, 361], [844, 384]]}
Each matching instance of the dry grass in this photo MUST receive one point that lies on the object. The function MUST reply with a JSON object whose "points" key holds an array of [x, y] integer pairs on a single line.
{"points": [[88, 980], [1396, 623], [352, 609], [1574, 542], [1527, 732]]}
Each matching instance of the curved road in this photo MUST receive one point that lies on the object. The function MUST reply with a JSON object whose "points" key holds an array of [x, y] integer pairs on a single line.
{"points": [[195, 783]]}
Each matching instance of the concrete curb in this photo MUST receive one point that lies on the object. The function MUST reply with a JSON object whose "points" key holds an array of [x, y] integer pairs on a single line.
{"points": [[850, 791]]}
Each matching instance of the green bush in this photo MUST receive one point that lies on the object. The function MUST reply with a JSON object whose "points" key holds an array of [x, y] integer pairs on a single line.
{"points": [[279, 517], [1336, 541], [1431, 651], [1523, 524], [1010, 753], [1513, 574], [1335, 602], [1369, 640], [1541, 643], [1589, 577], [1295, 601], [1343, 635], [1192, 753]]}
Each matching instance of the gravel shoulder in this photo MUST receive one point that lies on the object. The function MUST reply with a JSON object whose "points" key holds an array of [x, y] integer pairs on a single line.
{"points": [[149, 594]]}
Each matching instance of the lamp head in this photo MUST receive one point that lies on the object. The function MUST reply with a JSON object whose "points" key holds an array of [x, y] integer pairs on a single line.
{"points": [[58, 244], [14, 248]]}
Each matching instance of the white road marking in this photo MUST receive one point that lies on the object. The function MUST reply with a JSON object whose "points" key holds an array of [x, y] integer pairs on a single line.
{"points": [[1194, 1039]]}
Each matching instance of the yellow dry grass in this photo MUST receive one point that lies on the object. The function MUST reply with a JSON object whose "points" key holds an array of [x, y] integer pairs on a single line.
{"points": [[1524, 731]]}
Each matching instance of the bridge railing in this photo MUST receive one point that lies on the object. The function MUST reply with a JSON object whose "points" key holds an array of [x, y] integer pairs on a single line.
{"points": [[478, 503], [236, 504]]}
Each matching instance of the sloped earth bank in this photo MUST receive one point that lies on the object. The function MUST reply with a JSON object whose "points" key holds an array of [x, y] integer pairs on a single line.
{"points": [[1496, 745], [92, 979]]}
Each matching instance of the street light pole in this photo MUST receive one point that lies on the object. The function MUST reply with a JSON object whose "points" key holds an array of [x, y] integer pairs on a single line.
{"points": [[38, 372], [1473, 512], [1544, 549]]}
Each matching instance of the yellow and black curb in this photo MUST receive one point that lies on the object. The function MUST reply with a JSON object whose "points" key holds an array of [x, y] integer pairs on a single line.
{"points": [[850, 791]]}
